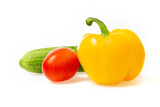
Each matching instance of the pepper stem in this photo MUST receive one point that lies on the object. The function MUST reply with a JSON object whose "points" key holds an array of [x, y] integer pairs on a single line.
{"points": [[103, 28]]}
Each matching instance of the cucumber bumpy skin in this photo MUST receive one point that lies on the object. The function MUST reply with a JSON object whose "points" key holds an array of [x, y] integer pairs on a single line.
{"points": [[32, 61]]}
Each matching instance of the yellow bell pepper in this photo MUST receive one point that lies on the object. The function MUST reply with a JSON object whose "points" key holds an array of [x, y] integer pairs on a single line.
{"points": [[111, 57]]}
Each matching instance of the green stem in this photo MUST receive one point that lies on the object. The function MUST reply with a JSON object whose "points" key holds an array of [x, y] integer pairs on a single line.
{"points": [[104, 30]]}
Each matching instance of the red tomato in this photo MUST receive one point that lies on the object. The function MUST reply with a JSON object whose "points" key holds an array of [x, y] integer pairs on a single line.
{"points": [[60, 64]]}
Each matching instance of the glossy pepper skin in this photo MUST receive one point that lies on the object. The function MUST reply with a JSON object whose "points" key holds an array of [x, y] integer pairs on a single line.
{"points": [[111, 57]]}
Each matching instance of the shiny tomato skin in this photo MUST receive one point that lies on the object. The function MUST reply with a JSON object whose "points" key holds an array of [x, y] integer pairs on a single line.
{"points": [[60, 64]]}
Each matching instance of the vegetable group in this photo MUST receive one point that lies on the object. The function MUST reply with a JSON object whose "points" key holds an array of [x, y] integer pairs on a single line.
{"points": [[112, 57], [107, 58], [60, 64]]}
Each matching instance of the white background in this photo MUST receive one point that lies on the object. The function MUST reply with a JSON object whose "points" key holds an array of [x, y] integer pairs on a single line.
{"points": [[31, 24]]}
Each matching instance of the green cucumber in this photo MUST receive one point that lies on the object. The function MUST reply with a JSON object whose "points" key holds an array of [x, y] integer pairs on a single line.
{"points": [[32, 61]]}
